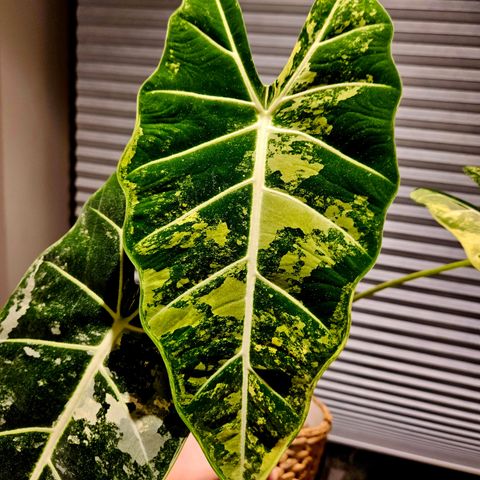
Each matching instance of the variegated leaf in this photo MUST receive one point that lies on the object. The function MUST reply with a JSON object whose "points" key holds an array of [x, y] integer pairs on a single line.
{"points": [[458, 217], [473, 173], [83, 391], [253, 211]]}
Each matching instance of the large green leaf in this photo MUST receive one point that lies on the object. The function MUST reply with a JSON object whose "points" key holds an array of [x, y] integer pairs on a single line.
{"points": [[458, 217], [253, 211], [83, 392]]}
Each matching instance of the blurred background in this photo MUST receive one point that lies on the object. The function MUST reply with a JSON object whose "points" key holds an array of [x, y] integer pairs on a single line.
{"points": [[408, 383], [36, 121]]}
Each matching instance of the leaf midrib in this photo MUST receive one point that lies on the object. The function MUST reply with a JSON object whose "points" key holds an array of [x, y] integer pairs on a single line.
{"points": [[264, 121], [252, 261]]}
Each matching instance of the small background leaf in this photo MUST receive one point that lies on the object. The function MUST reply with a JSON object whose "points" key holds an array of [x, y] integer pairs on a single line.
{"points": [[473, 173], [458, 217], [83, 392]]}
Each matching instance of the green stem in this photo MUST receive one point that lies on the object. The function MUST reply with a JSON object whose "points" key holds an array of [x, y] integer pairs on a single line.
{"points": [[412, 276]]}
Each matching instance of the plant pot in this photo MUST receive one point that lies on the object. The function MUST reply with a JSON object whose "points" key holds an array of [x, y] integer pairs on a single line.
{"points": [[302, 459]]}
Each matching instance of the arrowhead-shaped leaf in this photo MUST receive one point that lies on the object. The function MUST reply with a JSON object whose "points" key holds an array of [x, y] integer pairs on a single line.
{"points": [[253, 211], [83, 392], [458, 217]]}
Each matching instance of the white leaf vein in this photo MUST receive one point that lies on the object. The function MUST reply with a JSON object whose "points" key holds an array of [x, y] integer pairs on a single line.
{"points": [[306, 59], [216, 373], [318, 215], [374, 26], [312, 91], [196, 148], [292, 299], [189, 213], [101, 352], [88, 376], [24, 431], [238, 61], [83, 287], [107, 220], [198, 286], [108, 378], [54, 471], [275, 393], [310, 138], [202, 96], [208, 38]]}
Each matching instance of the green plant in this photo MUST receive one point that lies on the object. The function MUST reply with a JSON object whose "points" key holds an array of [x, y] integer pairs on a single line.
{"points": [[82, 389], [458, 217], [251, 230], [252, 213]]}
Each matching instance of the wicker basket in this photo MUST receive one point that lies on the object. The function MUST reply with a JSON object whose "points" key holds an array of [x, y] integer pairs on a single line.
{"points": [[302, 459]]}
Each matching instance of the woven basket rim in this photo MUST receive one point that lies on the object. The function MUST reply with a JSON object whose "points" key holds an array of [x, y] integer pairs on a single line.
{"points": [[324, 427]]}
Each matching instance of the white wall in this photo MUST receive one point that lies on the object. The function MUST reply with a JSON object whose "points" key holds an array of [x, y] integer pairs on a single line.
{"points": [[34, 133]]}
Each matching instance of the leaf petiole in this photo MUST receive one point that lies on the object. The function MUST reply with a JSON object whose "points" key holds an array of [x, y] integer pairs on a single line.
{"points": [[412, 276]]}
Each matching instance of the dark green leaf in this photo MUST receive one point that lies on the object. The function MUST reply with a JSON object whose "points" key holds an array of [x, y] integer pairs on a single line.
{"points": [[83, 391], [253, 211]]}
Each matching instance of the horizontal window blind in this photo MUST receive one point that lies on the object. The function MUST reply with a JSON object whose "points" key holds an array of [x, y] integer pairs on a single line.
{"points": [[408, 382]]}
